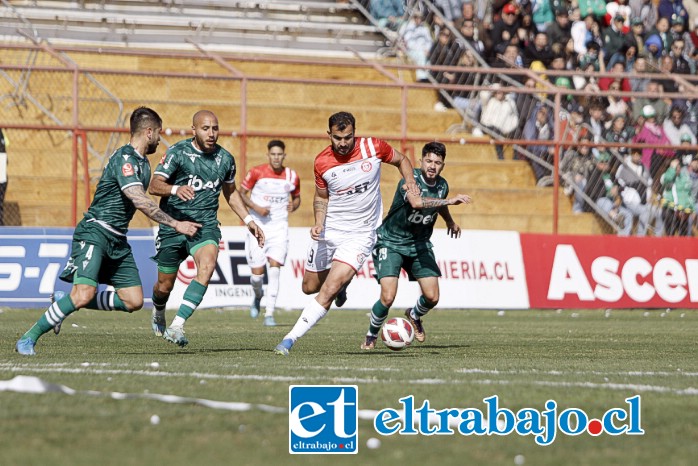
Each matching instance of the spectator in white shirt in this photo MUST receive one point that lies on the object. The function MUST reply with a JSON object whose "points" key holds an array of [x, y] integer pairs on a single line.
{"points": [[675, 128]]}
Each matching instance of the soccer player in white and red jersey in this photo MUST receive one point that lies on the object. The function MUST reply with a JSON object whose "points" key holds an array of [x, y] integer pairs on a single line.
{"points": [[271, 191], [348, 209]]}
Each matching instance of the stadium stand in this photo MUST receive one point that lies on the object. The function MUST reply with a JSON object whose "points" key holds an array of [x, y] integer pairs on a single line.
{"points": [[265, 94], [298, 27]]}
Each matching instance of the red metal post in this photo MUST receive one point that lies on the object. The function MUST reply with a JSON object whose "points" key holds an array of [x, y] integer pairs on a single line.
{"points": [[85, 169], [243, 127], [76, 123], [74, 177], [556, 164], [403, 116]]}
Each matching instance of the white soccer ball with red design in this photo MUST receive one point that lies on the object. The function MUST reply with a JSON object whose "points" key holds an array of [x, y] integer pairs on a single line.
{"points": [[397, 333]]}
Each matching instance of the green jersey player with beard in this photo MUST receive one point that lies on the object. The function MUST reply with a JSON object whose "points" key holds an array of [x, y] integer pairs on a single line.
{"points": [[100, 250], [189, 180], [404, 242]]}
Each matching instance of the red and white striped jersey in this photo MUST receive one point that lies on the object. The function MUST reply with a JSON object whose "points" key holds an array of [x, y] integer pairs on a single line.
{"points": [[353, 184], [272, 190]]}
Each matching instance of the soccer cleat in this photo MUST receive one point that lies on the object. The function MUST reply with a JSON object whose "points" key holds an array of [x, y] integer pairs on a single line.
{"points": [[370, 343], [419, 333], [57, 296], [284, 347], [158, 323], [269, 321], [176, 335], [25, 346], [341, 297], [254, 308]]}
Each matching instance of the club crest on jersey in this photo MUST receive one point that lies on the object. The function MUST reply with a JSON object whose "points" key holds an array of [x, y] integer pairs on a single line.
{"points": [[366, 166], [127, 169], [191, 156]]}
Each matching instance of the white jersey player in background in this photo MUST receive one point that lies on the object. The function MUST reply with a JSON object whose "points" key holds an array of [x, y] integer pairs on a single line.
{"points": [[270, 191], [348, 209]]}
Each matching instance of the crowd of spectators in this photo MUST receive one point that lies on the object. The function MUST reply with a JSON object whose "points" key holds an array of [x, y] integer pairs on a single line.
{"points": [[634, 38]]}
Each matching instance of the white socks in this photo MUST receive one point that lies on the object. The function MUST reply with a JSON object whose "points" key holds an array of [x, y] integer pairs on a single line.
{"points": [[256, 282], [178, 321], [310, 316], [272, 290]]}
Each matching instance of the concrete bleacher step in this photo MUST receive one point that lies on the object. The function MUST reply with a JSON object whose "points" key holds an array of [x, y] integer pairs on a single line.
{"points": [[318, 27], [487, 174]]}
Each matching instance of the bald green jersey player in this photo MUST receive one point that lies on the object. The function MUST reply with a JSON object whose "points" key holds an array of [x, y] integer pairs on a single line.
{"points": [[404, 242], [189, 180], [100, 252]]}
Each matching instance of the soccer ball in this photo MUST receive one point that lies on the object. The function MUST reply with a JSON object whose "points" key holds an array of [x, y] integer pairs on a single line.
{"points": [[397, 333]]}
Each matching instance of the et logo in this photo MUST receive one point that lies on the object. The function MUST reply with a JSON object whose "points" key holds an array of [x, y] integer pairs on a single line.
{"points": [[323, 419]]}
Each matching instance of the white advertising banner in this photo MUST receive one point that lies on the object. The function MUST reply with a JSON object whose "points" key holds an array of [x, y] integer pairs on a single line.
{"points": [[482, 270]]}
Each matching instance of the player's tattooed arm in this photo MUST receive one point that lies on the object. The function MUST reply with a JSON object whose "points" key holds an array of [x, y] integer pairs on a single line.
{"points": [[429, 202], [142, 202], [320, 205], [146, 205], [320, 210], [418, 202]]}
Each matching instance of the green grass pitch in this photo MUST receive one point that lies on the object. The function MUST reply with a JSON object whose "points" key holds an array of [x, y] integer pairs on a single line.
{"points": [[590, 360]]}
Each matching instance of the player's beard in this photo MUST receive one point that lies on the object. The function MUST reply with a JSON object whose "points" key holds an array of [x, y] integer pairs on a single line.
{"points": [[343, 151], [206, 146], [152, 147], [430, 177]]}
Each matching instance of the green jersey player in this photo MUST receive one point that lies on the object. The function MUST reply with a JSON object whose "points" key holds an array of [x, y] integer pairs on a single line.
{"points": [[189, 180], [100, 252], [404, 242]]}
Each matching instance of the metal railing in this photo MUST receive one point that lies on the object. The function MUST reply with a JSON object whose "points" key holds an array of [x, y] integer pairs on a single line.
{"points": [[251, 94]]}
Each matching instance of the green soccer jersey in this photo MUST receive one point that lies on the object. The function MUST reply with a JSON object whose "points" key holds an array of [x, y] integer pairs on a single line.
{"points": [[110, 206], [183, 164], [405, 229]]}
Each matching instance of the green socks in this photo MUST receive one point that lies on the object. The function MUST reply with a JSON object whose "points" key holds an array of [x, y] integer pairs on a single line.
{"points": [[193, 296], [107, 301], [55, 314], [378, 315]]}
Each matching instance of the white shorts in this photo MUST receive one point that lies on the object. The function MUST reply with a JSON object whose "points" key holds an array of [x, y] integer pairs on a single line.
{"points": [[351, 248], [275, 247]]}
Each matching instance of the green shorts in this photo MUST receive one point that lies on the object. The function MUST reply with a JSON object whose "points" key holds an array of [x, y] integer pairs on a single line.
{"points": [[98, 256], [388, 263], [173, 248]]}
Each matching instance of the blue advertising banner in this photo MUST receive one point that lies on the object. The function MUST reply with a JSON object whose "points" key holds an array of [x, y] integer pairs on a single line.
{"points": [[31, 259]]}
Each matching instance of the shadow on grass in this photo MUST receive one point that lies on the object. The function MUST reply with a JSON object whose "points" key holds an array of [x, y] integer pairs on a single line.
{"points": [[409, 352]]}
